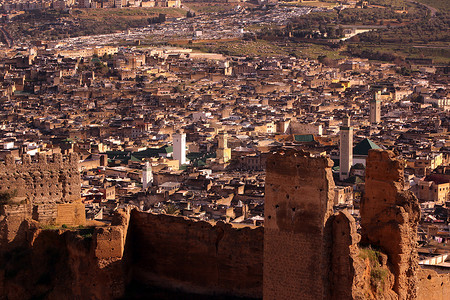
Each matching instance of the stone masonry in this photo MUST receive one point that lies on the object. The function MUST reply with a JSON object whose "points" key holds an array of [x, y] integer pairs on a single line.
{"points": [[308, 253], [389, 219], [46, 189], [298, 203]]}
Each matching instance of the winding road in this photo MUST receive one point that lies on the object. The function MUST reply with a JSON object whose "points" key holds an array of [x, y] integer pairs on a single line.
{"points": [[432, 10]]}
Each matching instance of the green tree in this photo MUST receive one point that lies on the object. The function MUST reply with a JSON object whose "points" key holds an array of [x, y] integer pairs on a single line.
{"points": [[171, 209]]}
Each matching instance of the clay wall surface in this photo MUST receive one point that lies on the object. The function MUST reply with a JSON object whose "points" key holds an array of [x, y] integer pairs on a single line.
{"points": [[70, 214], [344, 258], [198, 257], [46, 190], [11, 217], [389, 219], [64, 264], [298, 202], [109, 242], [433, 286], [54, 180]]}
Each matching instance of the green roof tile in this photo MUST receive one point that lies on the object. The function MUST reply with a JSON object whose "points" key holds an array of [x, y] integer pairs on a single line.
{"points": [[363, 147], [304, 138]]}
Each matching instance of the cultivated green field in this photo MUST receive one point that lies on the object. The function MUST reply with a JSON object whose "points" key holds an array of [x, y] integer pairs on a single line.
{"points": [[264, 48]]}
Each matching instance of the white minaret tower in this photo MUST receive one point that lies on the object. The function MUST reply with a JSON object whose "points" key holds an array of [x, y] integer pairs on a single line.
{"points": [[179, 147], [147, 176], [345, 149]]}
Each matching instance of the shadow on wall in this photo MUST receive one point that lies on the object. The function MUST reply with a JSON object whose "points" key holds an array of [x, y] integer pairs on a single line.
{"points": [[156, 257], [175, 253], [57, 264]]}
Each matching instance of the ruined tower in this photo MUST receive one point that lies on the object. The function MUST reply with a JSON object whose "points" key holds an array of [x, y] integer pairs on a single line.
{"points": [[389, 219], [345, 149], [46, 189], [299, 201]]}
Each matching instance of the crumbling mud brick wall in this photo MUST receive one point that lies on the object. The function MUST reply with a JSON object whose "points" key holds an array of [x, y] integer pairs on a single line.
{"points": [[43, 188], [299, 200], [346, 276], [197, 257], [109, 242], [433, 286], [65, 264], [389, 219], [308, 253]]}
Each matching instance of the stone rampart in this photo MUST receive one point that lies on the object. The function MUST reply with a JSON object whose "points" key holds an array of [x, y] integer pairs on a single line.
{"points": [[47, 185], [298, 202], [197, 257], [389, 219], [45, 180]]}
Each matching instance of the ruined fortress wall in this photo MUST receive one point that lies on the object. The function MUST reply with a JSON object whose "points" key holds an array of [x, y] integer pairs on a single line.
{"points": [[45, 184], [298, 203], [65, 264], [432, 285], [345, 263], [58, 264], [308, 252], [198, 257], [11, 217], [109, 242], [71, 214], [389, 219]]}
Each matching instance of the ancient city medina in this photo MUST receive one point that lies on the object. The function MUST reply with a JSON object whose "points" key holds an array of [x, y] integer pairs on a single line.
{"points": [[225, 149]]}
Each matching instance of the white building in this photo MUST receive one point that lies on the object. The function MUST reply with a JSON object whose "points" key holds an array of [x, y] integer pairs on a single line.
{"points": [[147, 176], [179, 147], [345, 149]]}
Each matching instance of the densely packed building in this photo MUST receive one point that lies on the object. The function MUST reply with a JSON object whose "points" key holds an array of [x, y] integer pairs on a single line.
{"points": [[206, 123], [90, 129], [26, 5]]}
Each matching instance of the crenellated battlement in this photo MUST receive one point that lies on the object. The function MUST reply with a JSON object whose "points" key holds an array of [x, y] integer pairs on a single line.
{"points": [[41, 162], [44, 182]]}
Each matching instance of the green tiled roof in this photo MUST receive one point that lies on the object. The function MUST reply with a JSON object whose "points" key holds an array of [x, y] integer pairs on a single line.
{"points": [[133, 158], [363, 147], [354, 179], [119, 155], [304, 138], [152, 152], [198, 159]]}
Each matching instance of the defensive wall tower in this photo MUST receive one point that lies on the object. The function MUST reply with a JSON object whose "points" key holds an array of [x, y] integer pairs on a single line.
{"points": [[46, 189], [389, 218], [311, 253], [298, 203]]}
